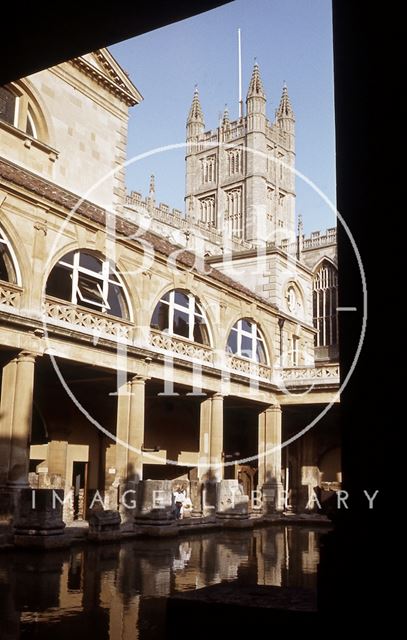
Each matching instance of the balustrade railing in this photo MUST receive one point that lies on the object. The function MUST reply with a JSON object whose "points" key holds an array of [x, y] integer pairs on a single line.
{"points": [[249, 368], [60, 313], [10, 294], [180, 346], [328, 374]]}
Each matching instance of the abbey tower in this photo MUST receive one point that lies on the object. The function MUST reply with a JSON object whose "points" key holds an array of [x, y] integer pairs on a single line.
{"points": [[239, 177]]}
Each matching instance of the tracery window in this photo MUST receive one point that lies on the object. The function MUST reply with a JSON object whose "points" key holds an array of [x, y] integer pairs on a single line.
{"points": [[207, 210], [325, 300], [234, 214], [208, 169], [235, 161]]}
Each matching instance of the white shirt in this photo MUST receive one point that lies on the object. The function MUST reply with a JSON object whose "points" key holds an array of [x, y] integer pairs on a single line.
{"points": [[179, 496]]}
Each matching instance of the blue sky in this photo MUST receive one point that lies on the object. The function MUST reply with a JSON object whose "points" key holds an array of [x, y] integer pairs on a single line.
{"points": [[292, 41]]}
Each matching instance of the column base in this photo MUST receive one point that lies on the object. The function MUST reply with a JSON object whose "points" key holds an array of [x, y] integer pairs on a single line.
{"points": [[154, 504], [273, 498], [231, 503], [104, 526], [38, 520]]}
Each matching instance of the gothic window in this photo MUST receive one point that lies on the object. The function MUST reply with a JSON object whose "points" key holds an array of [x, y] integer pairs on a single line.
{"points": [[325, 298], [234, 211], [83, 279], [179, 313], [207, 210], [16, 109], [8, 263], [291, 299], [281, 197], [246, 341], [235, 161], [208, 169]]}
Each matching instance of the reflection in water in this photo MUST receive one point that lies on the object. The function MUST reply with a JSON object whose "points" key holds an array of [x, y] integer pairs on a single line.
{"points": [[117, 592]]}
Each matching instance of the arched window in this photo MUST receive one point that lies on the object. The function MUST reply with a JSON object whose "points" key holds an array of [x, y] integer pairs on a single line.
{"points": [[179, 313], [82, 278], [8, 106], [8, 264], [246, 341], [208, 215], [325, 299], [234, 211], [19, 109]]}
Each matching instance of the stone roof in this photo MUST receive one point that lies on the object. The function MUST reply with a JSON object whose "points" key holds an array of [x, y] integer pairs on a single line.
{"points": [[59, 196]]}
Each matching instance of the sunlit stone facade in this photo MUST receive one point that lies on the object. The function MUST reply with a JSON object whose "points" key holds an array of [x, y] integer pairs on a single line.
{"points": [[128, 357]]}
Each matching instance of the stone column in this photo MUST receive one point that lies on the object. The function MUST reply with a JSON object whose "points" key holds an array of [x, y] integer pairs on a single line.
{"points": [[22, 417], [136, 428], [197, 491], [56, 460], [309, 490], [204, 438], [270, 463], [216, 438], [122, 431], [8, 385]]}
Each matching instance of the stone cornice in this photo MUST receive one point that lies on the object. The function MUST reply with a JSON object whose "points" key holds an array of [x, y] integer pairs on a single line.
{"points": [[59, 196], [128, 94]]}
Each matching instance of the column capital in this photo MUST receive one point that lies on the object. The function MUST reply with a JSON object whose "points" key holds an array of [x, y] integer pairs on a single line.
{"points": [[26, 356], [274, 408], [218, 396], [139, 379]]}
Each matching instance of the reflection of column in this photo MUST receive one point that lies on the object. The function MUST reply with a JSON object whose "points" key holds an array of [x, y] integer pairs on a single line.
{"points": [[204, 438], [22, 417], [270, 463], [310, 556], [8, 384], [136, 427], [216, 438], [270, 557]]}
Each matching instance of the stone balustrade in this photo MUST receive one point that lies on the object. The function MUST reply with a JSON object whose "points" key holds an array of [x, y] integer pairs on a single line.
{"points": [[10, 294], [62, 313], [299, 376], [246, 367], [180, 347]]}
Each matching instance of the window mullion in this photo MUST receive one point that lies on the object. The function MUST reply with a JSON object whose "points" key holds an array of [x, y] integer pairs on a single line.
{"points": [[254, 341], [171, 313], [75, 277], [105, 283], [191, 317], [239, 338], [21, 112]]}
